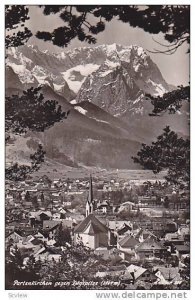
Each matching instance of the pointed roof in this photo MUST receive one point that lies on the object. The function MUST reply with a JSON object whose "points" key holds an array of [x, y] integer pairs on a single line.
{"points": [[150, 244], [92, 229], [90, 225], [51, 224], [90, 195], [146, 233], [171, 273], [128, 242], [136, 270], [124, 228]]}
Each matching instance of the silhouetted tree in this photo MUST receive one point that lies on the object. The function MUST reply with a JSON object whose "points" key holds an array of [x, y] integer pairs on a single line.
{"points": [[171, 101], [31, 112], [172, 20], [16, 32], [63, 236], [15, 270], [18, 172], [170, 152]]}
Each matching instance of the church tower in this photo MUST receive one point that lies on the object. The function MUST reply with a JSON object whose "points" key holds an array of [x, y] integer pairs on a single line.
{"points": [[90, 202]]}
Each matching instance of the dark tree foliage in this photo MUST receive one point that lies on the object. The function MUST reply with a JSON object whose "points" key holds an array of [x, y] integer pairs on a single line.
{"points": [[31, 112], [78, 263], [171, 101], [14, 269], [172, 20], [169, 152], [16, 32], [63, 236], [18, 172]]}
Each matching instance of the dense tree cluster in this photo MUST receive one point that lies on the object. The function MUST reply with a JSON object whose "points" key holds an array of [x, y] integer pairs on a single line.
{"points": [[170, 152], [63, 236], [31, 112], [16, 32], [86, 21], [78, 263], [19, 172], [171, 101]]}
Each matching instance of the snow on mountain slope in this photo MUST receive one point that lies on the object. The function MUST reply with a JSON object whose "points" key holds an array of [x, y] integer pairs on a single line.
{"points": [[73, 67], [23, 73], [159, 88], [76, 76], [81, 110], [114, 77], [103, 87]]}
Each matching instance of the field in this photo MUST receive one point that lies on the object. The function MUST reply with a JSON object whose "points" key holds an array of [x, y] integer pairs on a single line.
{"points": [[57, 170]]}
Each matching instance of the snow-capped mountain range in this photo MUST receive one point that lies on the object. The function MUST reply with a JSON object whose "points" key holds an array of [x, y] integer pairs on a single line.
{"points": [[104, 87], [114, 77]]}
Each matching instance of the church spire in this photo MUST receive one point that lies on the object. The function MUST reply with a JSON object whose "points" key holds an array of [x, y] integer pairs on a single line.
{"points": [[90, 203], [90, 195]]}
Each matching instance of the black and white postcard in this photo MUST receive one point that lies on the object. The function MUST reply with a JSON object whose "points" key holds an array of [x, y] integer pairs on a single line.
{"points": [[97, 139]]}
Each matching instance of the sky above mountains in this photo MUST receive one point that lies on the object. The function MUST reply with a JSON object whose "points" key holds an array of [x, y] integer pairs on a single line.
{"points": [[174, 68]]}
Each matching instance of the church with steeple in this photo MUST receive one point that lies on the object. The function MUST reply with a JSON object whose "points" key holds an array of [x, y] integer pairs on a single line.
{"points": [[91, 231]]}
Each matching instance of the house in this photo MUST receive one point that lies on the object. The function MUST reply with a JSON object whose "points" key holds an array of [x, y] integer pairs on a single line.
{"points": [[150, 249], [56, 215], [103, 207], [130, 257], [30, 243], [117, 225], [74, 216], [139, 273], [51, 227], [171, 226], [48, 254], [167, 276], [126, 206], [28, 205], [67, 203], [51, 243], [42, 236], [182, 250], [144, 234], [175, 238], [69, 223], [62, 213], [127, 244], [37, 217], [106, 254], [184, 231], [124, 230], [14, 237], [92, 233], [44, 215], [114, 271]]}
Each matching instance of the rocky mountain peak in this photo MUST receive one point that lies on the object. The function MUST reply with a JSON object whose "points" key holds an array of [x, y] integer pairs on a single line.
{"points": [[104, 89], [114, 77]]}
